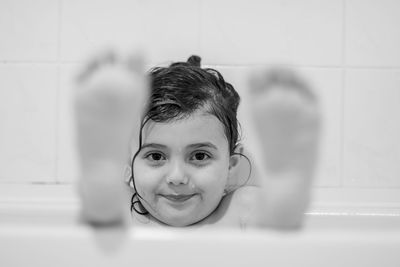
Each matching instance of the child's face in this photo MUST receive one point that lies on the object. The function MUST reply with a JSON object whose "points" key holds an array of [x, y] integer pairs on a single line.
{"points": [[182, 170]]}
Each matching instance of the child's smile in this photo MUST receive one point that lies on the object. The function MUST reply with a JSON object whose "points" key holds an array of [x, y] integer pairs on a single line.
{"points": [[183, 168]]}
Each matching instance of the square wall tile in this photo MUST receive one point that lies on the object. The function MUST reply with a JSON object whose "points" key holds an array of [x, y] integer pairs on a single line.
{"points": [[372, 128], [28, 30], [163, 30], [257, 32], [327, 85], [372, 32], [28, 122]]}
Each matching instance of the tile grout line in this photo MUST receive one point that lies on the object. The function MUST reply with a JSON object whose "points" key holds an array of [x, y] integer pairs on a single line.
{"points": [[355, 67]]}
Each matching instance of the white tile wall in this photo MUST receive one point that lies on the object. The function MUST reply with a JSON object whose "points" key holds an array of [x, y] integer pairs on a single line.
{"points": [[28, 30], [254, 32], [347, 48], [372, 128], [27, 119], [165, 30], [372, 32]]}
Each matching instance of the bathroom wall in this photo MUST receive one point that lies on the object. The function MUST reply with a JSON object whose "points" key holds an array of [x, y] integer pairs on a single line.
{"points": [[347, 49]]}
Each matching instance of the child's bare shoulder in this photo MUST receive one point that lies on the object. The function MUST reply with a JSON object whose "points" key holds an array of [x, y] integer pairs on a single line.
{"points": [[240, 207], [246, 196]]}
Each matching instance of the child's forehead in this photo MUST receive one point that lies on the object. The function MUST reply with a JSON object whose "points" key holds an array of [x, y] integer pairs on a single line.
{"points": [[200, 125]]}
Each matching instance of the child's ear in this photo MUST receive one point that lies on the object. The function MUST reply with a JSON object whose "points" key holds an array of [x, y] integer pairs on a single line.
{"points": [[234, 169], [235, 158]]}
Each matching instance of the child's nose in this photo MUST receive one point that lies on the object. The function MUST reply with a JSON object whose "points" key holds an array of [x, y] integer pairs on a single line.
{"points": [[177, 175]]}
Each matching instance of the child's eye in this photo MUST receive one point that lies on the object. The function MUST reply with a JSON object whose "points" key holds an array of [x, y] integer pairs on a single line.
{"points": [[200, 156], [155, 157]]}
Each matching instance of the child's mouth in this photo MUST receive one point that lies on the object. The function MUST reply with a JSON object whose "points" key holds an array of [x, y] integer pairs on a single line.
{"points": [[178, 198]]}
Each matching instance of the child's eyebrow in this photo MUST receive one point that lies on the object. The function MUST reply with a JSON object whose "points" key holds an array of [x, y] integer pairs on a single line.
{"points": [[199, 145], [191, 146], [154, 145]]}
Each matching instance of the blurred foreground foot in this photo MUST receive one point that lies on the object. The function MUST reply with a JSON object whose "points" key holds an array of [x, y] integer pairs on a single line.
{"points": [[287, 121], [110, 97]]}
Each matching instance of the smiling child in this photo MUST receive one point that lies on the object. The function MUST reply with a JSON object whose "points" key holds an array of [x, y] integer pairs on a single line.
{"points": [[186, 148]]}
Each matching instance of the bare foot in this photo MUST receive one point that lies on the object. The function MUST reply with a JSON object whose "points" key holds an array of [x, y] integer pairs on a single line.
{"points": [[287, 121], [110, 97]]}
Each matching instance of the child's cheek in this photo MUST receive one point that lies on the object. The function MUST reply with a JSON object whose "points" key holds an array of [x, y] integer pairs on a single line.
{"points": [[214, 174], [147, 178]]}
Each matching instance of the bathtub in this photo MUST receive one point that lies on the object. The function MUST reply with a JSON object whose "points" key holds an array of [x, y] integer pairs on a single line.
{"points": [[43, 231]]}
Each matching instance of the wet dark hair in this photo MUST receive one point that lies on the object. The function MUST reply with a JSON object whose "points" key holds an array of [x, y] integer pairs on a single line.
{"points": [[181, 89]]}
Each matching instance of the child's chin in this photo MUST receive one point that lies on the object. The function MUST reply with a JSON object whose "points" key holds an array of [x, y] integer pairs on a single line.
{"points": [[179, 220]]}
